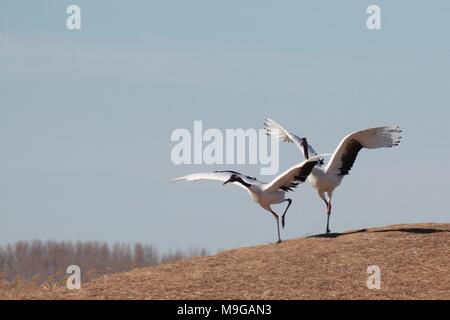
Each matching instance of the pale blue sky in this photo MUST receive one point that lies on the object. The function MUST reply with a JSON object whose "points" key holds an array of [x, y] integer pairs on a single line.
{"points": [[86, 116]]}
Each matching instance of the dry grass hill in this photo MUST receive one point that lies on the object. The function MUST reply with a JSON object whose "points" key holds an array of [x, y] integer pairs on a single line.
{"points": [[414, 262]]}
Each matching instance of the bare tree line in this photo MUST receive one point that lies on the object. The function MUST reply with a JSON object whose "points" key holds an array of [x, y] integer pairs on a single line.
{"points": [[40, 261]]}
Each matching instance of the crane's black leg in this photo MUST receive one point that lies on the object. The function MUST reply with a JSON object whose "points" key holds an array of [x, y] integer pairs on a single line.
{"points": [[283, 220], [327, 231], [328, 216], [278, 225]]}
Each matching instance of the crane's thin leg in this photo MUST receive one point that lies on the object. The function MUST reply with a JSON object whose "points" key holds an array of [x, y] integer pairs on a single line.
{"points": [[328, 204], [328, 218], [278, 225], [328, 215], [283, 220]]}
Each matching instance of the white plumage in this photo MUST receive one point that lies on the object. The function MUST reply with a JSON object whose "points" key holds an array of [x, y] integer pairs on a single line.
{"points": [[327, 179], [265, 194], [274, 129]]}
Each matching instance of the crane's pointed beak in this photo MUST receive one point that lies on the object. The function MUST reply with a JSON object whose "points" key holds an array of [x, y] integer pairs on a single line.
{"points": [[226, 182]]}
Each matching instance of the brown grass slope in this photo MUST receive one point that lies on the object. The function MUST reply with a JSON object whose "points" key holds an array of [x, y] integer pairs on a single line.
{"points": [[414, 261]]}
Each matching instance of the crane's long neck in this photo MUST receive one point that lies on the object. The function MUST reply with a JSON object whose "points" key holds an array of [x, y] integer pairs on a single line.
{"points": [[245, 184], [305, 148]]}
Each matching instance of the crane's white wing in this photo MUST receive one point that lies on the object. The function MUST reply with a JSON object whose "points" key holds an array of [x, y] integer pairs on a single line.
{"points": [[274, 129], [292, 177], [221, 176], [345, 155]]}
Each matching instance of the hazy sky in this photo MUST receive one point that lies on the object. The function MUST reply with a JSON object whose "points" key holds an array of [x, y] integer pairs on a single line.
{"points": [[86, 116]]}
